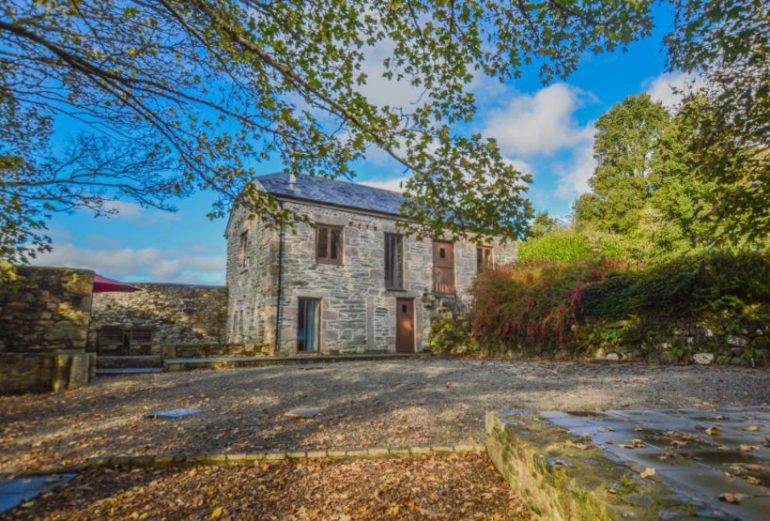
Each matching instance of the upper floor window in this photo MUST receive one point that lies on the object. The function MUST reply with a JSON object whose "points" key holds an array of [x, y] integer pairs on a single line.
{"points": [[394, 261], [243, 252], [443, 267], [484, 257], [328, 244]]}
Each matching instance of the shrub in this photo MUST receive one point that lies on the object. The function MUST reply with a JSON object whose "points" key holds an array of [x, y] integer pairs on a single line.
{"points": [[451, 335], [569, 245], [685, 288], [532, 303], [695, 303], [563, 245]]}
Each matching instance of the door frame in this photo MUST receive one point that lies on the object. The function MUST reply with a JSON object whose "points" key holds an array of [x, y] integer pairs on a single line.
{"points": [[451, 265], [399, 301]]}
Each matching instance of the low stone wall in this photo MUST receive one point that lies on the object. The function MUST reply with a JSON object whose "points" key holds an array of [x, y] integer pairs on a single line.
{"points": [[664, 342], [44, 372], [165, 314], [563, 477], [44, 318]]}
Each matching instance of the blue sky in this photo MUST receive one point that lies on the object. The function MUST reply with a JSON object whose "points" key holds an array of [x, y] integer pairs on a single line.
{"points": [[544, 129]]}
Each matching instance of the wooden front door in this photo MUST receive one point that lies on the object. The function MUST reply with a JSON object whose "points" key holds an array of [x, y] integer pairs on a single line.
{"points": [[443, 267], [405, 325]]}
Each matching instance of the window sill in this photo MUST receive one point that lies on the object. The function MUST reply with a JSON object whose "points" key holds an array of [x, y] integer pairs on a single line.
{"points": [[328, 263]]}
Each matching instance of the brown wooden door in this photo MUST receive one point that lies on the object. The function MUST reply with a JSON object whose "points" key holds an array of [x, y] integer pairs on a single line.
{"points": [[443, 267], [405, 325]]}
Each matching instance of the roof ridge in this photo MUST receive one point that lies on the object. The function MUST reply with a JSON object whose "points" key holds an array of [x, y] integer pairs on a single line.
{"points": [[321, 177]]}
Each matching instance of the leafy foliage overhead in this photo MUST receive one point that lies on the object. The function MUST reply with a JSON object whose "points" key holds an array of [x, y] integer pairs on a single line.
{"points": [[727, 44], [167, 97]]}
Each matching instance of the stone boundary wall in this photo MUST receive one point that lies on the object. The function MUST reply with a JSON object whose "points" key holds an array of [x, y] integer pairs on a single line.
{"points": [[44, 318], [664, 342], [175, 314]]}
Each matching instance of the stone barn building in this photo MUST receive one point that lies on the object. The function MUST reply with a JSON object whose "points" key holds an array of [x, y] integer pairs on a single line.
{"points": [[350, 282]]}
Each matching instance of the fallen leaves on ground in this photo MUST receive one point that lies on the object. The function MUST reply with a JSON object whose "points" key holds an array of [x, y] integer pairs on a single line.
{"points": [[452, 487]]}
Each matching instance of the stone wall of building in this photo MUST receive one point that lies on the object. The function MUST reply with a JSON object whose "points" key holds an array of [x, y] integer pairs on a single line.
{"points": [[253, 288], [358, 313], [44, 319], [171, 315]]}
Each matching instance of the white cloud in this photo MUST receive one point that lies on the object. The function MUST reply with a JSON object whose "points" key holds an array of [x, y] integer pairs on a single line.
{"points": [[133, 212], [540, 123], [574, 175], [668, 88], [521, 165], [143, 264], [383, 91]]}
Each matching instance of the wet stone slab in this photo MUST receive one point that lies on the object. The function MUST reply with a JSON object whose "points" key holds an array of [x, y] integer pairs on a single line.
{"points": [[173, 414], [303, 412], [14, 491], [720, 458]]}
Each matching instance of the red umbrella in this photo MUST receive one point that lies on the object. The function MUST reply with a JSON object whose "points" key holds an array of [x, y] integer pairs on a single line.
{"points": [[103, 284]]}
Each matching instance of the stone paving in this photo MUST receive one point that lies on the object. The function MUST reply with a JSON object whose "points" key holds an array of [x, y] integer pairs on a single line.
{"points": [[14, 491], [719, 457]]}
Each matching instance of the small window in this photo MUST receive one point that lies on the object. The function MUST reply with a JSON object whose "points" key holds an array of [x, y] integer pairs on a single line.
{"points": [[484, 257], [243, 255], [328, 244], [394, 261]]}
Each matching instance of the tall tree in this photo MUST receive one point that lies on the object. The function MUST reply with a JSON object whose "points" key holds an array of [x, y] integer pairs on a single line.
{"points": [[701, 209], [625, 138], [727, 44]]}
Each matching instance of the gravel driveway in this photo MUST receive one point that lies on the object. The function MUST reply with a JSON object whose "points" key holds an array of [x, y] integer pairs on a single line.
{"points": [[394, 403]]}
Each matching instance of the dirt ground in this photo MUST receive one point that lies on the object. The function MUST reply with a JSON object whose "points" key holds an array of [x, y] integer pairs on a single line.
{"points": [[454, 487], [383, 403]]}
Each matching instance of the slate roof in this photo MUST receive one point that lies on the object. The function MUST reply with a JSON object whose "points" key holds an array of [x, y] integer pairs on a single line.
{"points": [[333, 192]]}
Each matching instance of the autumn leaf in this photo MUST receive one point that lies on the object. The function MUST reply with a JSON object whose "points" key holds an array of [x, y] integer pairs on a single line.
{"points": [[217, 513], [647, 473], [732, 497]]}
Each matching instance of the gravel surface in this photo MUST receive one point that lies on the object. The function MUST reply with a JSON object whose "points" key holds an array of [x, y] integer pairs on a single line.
{"points": [[457, 487], [363, 404]]}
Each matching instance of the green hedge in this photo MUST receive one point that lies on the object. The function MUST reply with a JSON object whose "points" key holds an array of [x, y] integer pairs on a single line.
{"points": [[684, 289], [692, 304], [569, 245]]}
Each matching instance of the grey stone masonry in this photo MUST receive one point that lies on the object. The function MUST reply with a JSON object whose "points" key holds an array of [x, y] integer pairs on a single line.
{"points": [[44, 317], [171, 314], [358, 312]]}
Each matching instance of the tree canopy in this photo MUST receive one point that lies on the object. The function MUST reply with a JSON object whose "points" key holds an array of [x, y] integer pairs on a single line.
{"points": [[178, 96], [162, 98], [646, 190]]}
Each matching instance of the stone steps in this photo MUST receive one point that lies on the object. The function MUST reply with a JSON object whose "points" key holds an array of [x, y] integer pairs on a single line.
{"points": [[127, 362], [188, 364], [127, 371]]}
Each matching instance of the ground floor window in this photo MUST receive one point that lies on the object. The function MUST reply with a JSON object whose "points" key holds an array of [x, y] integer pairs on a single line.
{"points": [[308, 324]]}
